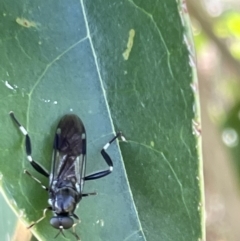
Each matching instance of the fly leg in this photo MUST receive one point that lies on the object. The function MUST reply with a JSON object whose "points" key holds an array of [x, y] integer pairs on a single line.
{"points": [[89, 194], [36, 180], [40, 219], [35, 165], [74, 225], [107, 159]]}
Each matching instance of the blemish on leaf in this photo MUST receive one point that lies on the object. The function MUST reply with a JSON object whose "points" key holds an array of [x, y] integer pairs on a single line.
{"points": [[194, 87], [46, 101], [196, 128], [13, 202], [127, 52], [101, 222], [22, 213], [152, 143], [26, 23], [8, 85], [142, 104], [191, 61]]}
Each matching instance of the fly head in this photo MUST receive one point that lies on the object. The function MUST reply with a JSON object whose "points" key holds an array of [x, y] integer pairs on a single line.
{"points": [[61, 222]]}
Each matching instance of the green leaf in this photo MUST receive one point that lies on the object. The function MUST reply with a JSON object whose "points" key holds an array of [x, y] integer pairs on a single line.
{"points": [[119, 66], [7, 224]]}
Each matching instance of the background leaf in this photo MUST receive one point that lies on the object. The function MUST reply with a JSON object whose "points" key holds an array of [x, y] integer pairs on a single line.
{"points": [[151, 100], [8, 222], [114, 62]]}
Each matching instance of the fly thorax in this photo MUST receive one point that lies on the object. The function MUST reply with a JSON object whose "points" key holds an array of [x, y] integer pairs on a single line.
{"points": [[65, 200]]}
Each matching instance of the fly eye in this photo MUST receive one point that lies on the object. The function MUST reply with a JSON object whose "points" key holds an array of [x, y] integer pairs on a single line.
{"points": [[61, 222], [67, 222]]}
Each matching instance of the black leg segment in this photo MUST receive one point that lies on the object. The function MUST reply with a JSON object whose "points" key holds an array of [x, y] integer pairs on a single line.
{"points": [[35, 165], [107, 159]]}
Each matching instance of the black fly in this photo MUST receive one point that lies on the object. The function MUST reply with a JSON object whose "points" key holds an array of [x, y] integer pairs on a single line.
{"points": [[67, 176]]}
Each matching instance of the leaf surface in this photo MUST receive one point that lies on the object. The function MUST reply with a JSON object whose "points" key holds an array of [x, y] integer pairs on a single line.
{"points": [[119, 66]]}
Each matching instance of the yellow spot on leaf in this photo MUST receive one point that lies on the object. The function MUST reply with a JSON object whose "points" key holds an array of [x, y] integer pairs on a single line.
{"points": [[129, 44], [152, 143], [26, 23]]}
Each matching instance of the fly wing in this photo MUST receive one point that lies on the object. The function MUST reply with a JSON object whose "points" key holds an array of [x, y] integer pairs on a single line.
{"points": [[69, 155]]}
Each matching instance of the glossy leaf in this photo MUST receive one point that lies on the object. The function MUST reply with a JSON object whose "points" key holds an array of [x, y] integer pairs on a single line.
{"points": [[119, 66]]}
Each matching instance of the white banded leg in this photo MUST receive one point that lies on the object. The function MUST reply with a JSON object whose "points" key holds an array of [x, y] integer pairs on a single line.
{"points": [[74, 231], [107, 159], [36, 180], [40, 219], [35, 165]]}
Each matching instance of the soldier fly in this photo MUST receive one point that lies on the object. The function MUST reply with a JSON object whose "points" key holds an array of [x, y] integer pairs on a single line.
{"points": [[67, 176]]}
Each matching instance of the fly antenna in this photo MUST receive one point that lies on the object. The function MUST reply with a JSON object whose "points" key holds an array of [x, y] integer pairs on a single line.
{"points": [[60, 231]]}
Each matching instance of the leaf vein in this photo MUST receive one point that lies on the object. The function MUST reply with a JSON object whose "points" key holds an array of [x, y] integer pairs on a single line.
{"points": [[149, 15], [133, 234], [95, 59], [45, 71], [171, 168], [21, 47], [101, 81]]}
